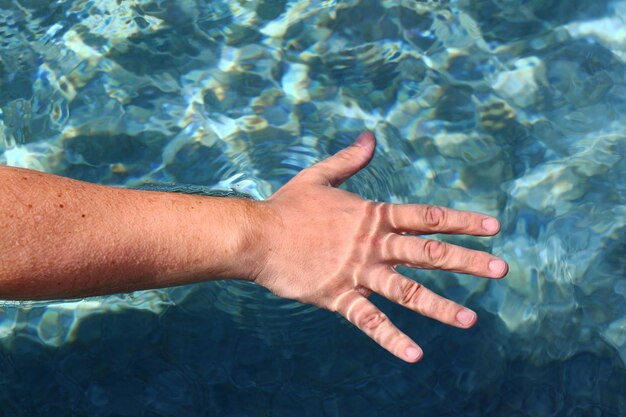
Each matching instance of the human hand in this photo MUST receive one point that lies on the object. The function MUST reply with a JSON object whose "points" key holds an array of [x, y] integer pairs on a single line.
{"points": [[328, 247]]}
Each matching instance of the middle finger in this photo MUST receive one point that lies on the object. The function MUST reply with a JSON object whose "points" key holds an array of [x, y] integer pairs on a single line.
{"points": [[417, 252]]}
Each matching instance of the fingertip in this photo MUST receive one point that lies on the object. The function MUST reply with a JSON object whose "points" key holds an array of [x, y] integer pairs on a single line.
{"points": [[505, 272], [498, 268], [491, 226], [365, 140], [413, 353], [337, 168], [466, 318]]}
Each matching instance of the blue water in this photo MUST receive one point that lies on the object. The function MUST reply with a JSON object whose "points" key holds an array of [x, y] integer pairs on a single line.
{"points": [[513, 108]]}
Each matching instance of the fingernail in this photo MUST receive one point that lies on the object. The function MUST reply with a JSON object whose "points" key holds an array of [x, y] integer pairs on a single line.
{"points": [[497, 266], [413, 353], [490, 225], [465, 316]]}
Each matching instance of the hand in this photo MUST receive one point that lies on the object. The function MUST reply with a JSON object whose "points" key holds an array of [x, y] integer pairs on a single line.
{"points": [[331, 248]]}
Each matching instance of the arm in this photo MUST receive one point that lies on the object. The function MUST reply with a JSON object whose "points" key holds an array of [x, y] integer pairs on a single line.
{"points": [[63, 238], [310, 241]]}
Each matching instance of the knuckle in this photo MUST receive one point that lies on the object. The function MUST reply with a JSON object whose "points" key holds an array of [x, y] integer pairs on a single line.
{"points": [[384, 212], [434, 216], [435, 252], [410, 292], [372, 321], [370, 208]]}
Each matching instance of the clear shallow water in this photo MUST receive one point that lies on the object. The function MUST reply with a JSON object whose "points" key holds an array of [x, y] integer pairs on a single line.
{"points": [[508, 107]]}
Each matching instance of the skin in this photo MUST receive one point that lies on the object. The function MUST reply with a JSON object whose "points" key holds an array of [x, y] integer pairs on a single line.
{"points": [[310, 242]]}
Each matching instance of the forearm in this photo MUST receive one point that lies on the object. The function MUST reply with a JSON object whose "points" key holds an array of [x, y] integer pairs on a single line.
{"points": [[63, 238]]}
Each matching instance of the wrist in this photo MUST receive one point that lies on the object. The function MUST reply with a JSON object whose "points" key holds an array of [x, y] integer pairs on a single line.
{"points": [[199, 238], [251, 241]]}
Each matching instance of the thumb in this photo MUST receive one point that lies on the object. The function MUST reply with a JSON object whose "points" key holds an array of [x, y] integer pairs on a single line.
{"points": [[336, 169]]}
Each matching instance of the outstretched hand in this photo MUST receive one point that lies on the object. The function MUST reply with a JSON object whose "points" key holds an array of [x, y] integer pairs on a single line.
{"points": [[331, 248]]}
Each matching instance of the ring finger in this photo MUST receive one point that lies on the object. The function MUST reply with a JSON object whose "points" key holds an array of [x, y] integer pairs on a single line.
{"points": [[412, 295]]}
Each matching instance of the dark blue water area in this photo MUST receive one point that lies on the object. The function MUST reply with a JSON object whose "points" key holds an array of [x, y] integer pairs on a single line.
{"points": [[194, 361]]}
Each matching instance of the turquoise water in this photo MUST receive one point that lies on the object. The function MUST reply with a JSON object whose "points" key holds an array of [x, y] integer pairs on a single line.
{"points": [[514, 108]]}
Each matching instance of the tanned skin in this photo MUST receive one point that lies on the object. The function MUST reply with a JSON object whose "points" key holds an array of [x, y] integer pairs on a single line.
{"points": [[310, 241]]}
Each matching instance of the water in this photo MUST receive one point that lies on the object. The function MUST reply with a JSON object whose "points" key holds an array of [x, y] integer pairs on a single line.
{"points": [[513, 108]]}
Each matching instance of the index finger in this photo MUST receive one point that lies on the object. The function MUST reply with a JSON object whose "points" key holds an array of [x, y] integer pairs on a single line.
{"points": [[427, 219]]}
